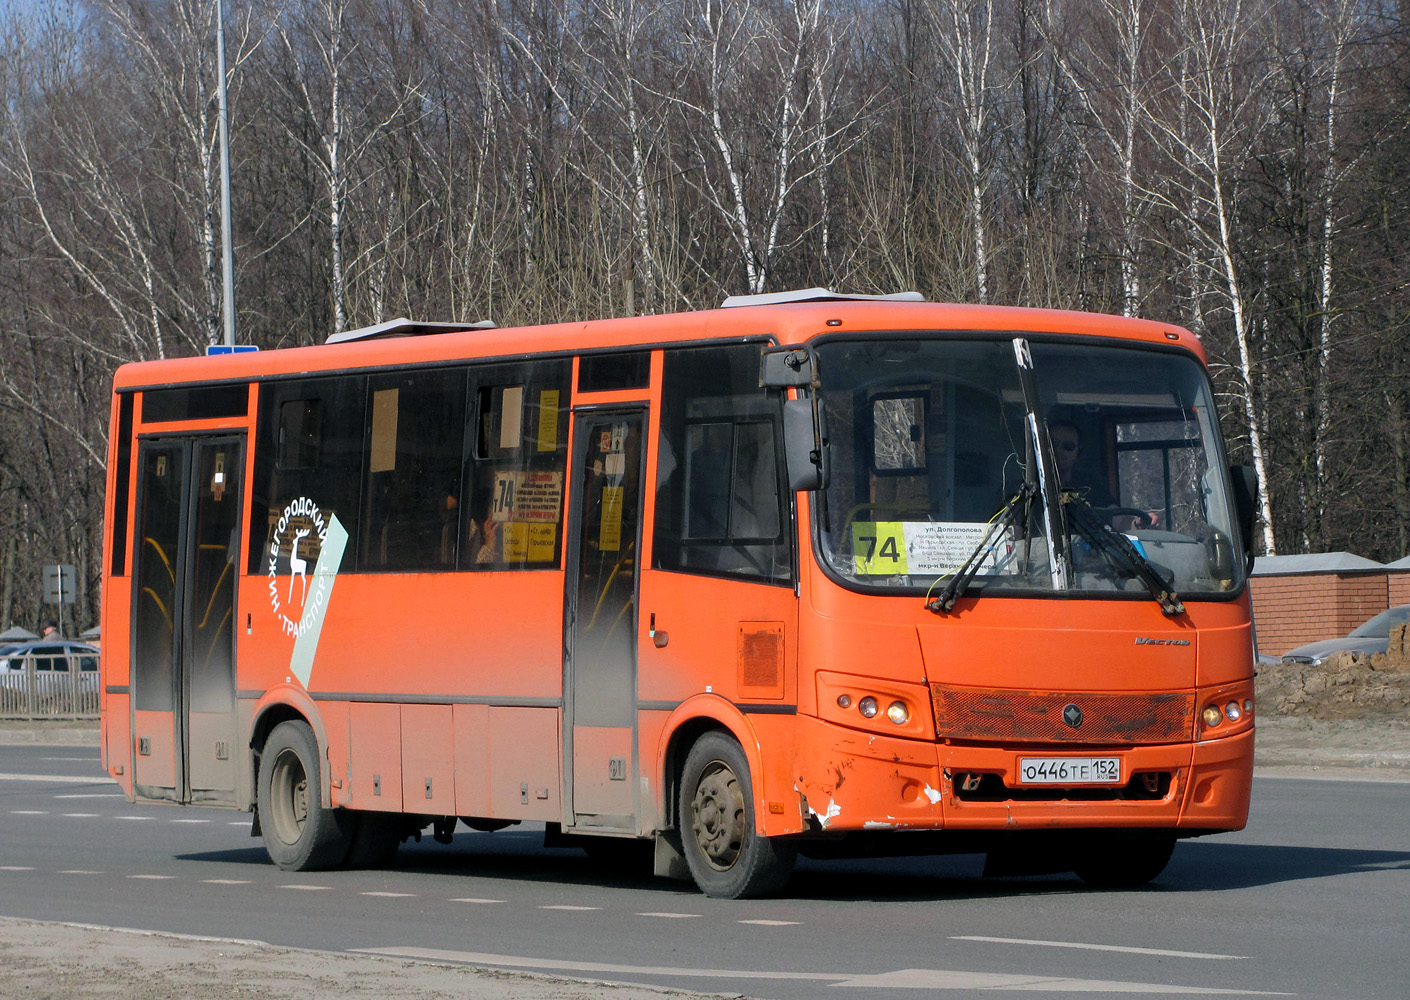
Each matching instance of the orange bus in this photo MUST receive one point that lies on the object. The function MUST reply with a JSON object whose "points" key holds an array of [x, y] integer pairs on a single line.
{"points": [[838, 575]]}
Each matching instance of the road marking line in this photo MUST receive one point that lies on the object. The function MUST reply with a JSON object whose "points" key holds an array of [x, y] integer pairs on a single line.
{"points": [[92, 795], [135, 819], [226, 881], [771, 923], [65, 779], [472, 899], [80, 815], [153, 878], [307, 888], [570, 907], [15, 868], [239, 822], [79, 871], [392, 895], [190, 821], [1098, 947], [935, 979], [670, 916], [29, 812]]}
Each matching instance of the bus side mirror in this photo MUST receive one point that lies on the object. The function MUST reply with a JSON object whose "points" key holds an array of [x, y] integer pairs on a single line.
{"points": [[1245, 481], [805, 445]]}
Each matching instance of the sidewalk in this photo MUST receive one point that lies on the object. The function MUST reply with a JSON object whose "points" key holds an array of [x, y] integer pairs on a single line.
{"points": [[1282, 742]]}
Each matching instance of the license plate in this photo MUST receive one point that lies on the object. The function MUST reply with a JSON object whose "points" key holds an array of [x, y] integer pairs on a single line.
{"points": [[1069, 770]]}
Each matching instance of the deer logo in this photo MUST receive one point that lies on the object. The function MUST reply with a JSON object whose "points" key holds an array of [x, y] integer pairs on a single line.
{"points": [[298, 566]]}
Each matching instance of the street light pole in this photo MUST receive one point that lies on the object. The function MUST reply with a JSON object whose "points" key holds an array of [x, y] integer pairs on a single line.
{"points": [[226, 221]]}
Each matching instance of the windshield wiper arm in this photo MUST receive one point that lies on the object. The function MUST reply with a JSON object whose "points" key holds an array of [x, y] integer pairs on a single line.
{"points": [[1118, 550], [1013, 514]]}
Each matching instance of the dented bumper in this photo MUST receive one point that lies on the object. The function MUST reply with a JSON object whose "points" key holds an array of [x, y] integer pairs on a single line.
{"points": [[856, 781]]}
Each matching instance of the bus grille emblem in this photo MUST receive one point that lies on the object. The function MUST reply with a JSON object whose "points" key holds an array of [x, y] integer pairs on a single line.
{"points": [[1072, 715]]}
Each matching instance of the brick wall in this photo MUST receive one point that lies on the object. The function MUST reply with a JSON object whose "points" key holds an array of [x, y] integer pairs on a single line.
{"points": [[1398, 588], [1304, 607]]}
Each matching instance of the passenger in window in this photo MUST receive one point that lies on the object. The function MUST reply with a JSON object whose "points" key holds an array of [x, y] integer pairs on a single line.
{"points": [[482, 540]]}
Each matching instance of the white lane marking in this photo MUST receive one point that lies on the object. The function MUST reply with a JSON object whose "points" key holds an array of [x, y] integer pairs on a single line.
{"points": [[472, 899], [190, 821], [1098, 947], [80, 871], [307, 888], [92, 795], [29, 812], [226, 881], [153, 878], [84, 760], [933, 979], [15, 868], [66, 779], [771, 923], [390, 895], [80, 815], [670, 916], [239, 822], [135, 819], [570, 907], [943, 979]]}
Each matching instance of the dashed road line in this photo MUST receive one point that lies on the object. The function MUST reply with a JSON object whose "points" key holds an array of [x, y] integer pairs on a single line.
{"points": [[80, 815], [771, 923], [15, 868], [390, 895], [190, 821], [135, 819], [307, 888], [29, 812], [153, 878], [670, 916], [472, 899], [80, 871], [1083, 946], [92, 795], [566, 907], [226, 881], [63, 779]]}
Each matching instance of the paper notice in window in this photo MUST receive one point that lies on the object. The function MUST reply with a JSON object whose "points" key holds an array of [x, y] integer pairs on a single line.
{"points": [[923, 548], [548, 420], [609, 536]]}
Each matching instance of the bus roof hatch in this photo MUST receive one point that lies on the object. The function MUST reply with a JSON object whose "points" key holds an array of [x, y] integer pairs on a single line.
{"points": [[815, 295], [406, 328]]}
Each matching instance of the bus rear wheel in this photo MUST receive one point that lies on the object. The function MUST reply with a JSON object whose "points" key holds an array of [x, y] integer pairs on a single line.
{"points": [[727, 856], [299, 834]]}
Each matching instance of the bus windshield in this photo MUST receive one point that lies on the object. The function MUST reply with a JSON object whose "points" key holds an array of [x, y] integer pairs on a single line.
{"points": [[931, 445]]}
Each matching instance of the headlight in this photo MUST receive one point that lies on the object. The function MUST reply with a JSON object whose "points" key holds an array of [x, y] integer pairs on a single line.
{"points": [[1233, 712], [867, 706], [897, 712], [1212, 716]]}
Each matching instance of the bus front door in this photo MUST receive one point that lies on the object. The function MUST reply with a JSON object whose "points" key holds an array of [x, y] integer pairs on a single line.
{"points": [[183, 629], [600, 681]]}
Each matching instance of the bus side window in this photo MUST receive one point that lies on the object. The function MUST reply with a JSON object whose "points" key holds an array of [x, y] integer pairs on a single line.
{"points": [[308, 455], [515, 467], [721, 507], [412, 491]]}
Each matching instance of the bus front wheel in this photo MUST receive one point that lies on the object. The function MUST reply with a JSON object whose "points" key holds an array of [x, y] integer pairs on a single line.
{"points": [[1117, 862], [727, 856], [299, 834]]}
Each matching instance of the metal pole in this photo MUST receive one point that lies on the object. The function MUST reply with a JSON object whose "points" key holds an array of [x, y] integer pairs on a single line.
{"points": [[226, 220]]}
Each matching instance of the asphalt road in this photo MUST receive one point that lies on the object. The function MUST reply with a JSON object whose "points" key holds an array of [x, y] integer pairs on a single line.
{"points": [[1311, 900]]}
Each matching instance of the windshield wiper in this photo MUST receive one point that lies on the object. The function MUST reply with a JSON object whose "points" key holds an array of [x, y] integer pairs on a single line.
{"points": [[1119, 551], [1014, 514]]}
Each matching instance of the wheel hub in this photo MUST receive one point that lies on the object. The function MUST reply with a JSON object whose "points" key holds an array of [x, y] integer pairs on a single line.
{"points": [[719, 816]]}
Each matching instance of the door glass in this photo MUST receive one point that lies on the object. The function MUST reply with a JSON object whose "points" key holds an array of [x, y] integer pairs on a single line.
{"points": [[603, 648], [157, 537], [211, 662]]}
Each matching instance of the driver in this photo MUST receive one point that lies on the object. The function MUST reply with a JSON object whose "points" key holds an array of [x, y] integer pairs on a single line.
{"points": [[1067, 447]]}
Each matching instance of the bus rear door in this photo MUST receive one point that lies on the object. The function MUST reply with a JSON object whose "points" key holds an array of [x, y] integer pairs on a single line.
{"points": [[183, 628]]}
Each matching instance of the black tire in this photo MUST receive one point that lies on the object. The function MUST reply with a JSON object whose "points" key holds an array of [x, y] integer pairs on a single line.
{"points": [[299, 834], [375, 840], [1122, 862], [727, 857]]}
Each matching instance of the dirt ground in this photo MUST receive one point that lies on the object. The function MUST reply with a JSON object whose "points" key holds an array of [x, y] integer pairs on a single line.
{"points": [[47, 961]]}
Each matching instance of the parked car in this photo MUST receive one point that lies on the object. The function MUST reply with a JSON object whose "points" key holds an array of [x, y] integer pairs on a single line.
{"points": [[1372, 636], [47, 658]]}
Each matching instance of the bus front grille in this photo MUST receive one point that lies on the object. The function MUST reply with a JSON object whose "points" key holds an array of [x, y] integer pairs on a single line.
{"points": [[1003, 716]]}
